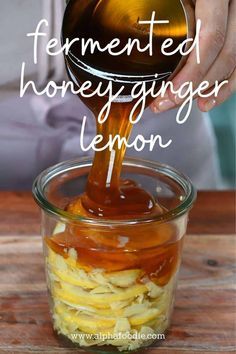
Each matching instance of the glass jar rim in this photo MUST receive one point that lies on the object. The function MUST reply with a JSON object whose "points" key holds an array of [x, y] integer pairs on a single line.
{"points": [[47, 175], [117, 76]]}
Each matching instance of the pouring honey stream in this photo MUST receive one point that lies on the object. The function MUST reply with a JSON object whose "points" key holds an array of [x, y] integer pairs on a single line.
{"points": [[113, 248], [107, 196]]}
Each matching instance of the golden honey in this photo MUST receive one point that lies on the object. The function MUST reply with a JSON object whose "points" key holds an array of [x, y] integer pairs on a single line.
{"points": [[115, 280]]}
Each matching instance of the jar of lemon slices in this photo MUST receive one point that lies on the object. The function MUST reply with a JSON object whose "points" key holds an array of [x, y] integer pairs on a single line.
{"points": [[112, 282]]}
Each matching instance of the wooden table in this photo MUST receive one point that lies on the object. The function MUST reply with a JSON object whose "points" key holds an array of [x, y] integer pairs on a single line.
{"points": [[204, 316]]}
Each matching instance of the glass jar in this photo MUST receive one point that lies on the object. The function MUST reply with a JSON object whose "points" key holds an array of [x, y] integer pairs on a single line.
{"points": [[112, 282]]}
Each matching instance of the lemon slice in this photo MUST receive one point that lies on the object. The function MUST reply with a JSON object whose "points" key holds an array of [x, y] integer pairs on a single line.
{"points": [[145, 317], [101, 290], [90, 310], [99, 299], [67, 319], [91, 322], [61, 295], [74, 279]]}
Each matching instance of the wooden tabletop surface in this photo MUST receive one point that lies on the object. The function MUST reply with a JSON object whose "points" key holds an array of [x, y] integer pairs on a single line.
{"points": [[204, 319]]}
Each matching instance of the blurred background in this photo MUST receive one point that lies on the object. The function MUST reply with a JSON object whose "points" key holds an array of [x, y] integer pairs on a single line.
{"points": [[36, 132]]}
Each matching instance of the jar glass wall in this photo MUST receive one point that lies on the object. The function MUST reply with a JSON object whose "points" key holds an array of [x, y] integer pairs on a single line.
{"points": [[112, 282]]}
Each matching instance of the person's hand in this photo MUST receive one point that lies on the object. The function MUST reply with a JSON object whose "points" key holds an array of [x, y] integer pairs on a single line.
{"points": [[218, 56]]}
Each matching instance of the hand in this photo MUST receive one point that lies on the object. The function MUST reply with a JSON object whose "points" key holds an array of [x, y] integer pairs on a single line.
{"points": [[218, 56]]}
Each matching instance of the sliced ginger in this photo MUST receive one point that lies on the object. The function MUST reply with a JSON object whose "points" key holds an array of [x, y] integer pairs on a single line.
{"points": [[92, 301]]}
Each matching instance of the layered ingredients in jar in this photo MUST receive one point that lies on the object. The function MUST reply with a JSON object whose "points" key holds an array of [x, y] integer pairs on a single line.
{"points": [[116, 274], [112, 286]]}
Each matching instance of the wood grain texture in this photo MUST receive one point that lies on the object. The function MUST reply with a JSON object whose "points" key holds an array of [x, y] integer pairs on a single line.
{"points": [[203, 319], [19, 214], [213, 213]]}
